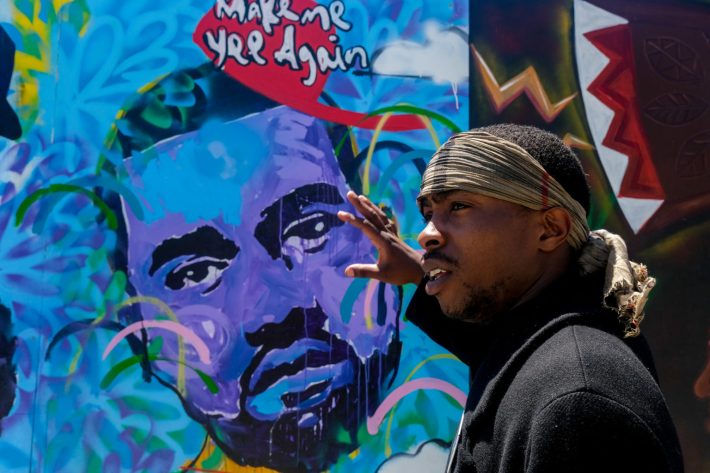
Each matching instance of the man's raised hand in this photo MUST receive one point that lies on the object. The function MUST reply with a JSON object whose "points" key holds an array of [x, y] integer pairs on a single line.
{"points": [[397, 262]]}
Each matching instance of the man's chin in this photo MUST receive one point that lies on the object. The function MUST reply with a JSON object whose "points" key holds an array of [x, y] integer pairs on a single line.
{"points": [[472, 318], [471, 304], [481, 314]]}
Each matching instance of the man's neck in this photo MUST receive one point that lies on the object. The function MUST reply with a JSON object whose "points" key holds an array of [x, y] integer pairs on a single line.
{"points": [[551, 273]]}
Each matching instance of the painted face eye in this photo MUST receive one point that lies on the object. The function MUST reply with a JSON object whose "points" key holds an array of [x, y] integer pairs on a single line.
{"points": [[308, 234], [297, 223], [202, 272]]}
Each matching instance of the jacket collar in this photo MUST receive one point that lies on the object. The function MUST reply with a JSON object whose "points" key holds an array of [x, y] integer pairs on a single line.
{"points": [[516, 334]]}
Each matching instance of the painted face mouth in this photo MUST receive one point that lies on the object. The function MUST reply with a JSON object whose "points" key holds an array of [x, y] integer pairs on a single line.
{"points": [[297, 367]]}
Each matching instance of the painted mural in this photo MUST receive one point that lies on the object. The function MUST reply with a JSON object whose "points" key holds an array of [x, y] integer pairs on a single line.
{"points": [[172, 295], [172, 279]]}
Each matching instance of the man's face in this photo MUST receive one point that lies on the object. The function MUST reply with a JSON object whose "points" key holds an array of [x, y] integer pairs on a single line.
{"points": [[479, 253], [240, 238]]}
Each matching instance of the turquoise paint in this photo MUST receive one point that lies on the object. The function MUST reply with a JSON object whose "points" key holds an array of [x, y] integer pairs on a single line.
{"points": [[210, 166], [351, 295]]}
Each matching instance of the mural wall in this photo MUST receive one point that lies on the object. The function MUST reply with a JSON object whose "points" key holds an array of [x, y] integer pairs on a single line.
{"points": [[172, 278], [171, 267], [625, 84]]}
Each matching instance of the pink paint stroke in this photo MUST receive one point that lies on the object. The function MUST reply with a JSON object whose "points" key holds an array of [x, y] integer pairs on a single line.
{"points": [[374, 422], [188, 335]]}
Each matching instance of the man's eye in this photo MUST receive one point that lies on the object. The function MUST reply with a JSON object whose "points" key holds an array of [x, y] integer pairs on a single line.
{"points": [[458, 206], [202, 272], [308, 234]]}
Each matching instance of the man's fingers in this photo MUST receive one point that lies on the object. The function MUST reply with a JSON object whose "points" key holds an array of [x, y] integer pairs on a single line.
{"points": [[365, 226], [363, 271], [382, 221], [370, 211], [360, 206]]}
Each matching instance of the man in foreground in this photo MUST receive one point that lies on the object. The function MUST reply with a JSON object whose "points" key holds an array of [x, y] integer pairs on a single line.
{"points": [[545, 313]]}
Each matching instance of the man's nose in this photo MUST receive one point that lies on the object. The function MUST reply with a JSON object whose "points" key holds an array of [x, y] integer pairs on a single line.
{"points": [[431, 237]]}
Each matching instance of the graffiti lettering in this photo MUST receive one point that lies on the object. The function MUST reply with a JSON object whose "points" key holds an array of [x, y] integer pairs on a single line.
{"points": [[317, 55], [231, 45], [255, 43], [268, 16], [226, 45], [321, 58]]}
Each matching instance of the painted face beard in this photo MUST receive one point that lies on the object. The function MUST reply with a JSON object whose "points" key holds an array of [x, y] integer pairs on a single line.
{"points": [[293, 447], [306, 437]]}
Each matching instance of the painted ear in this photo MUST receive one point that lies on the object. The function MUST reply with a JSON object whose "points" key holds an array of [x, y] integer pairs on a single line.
{"points": [[556, 225]]}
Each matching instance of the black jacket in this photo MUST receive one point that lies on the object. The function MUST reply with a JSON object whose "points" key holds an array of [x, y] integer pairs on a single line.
{"points": [[555, 388]]}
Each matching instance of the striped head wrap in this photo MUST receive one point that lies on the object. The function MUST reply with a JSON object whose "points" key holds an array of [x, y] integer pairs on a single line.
{"points": [[478, 162], [482, 163]]}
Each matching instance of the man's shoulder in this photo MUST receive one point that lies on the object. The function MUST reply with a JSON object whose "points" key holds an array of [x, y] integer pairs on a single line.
{"points": [[588, 355], [582, 358]]}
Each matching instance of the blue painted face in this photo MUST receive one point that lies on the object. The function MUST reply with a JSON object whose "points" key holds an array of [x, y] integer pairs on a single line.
{"points": [[240, 239]]}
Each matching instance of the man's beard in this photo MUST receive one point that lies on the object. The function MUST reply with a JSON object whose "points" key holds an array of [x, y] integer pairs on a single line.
{"points": [[285, 446], [479, 305]]}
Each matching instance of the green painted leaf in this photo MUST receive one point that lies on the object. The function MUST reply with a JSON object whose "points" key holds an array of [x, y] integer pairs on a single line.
{"points": [[117, 369], [209, 382], [417, 111]]}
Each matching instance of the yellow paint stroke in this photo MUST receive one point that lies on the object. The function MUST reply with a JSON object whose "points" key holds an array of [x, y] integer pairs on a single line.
{"points": [[388, 431], [58, 4], [72, 367], [353, 141], [375, 136], [34, 32], [371, 152], [225, 465], [527, 82], [164, 309], [576, 142], [367, 303], [432, 132]]}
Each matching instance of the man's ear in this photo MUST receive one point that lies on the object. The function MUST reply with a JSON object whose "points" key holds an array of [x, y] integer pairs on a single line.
{"points": [[555, 226]]}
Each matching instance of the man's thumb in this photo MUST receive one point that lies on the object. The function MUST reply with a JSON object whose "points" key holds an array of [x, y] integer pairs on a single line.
{"points": [[363, 271]]}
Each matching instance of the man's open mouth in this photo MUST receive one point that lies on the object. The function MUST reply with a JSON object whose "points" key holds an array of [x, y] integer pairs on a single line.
{"points": [[435, 273], [437, 282]]}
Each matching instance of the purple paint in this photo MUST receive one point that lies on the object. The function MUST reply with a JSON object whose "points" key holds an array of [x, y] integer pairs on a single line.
{"points": [[259, 278]]}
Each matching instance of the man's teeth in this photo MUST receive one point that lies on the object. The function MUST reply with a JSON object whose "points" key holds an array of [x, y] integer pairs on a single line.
{"points": [[435, 273]]}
